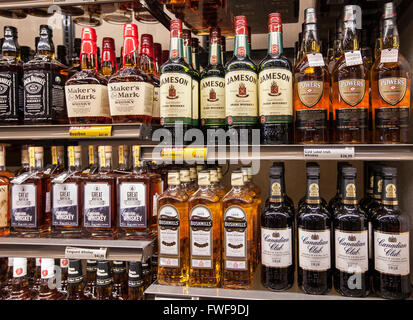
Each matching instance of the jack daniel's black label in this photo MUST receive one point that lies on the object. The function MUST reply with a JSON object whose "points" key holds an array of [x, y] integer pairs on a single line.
{"points": [[10, 96]]}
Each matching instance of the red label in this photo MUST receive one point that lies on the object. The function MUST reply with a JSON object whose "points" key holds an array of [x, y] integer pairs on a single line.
{"points": [[174, 53], [241, 51], [44, 273], [19, 271], [214, 59], [275, 48]]}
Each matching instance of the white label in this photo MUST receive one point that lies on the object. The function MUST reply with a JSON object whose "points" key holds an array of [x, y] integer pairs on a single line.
{"points": [[391, 253], [213, 98], [201, 234], [65, 204], [130, 98], [64, 263], [314, 249], [329, 153], [235, 265], [353, 58], [84, 253], [195, 100], [168, 262], [352, 251], [201, 263], [47, 268], [276, 247], [19, 267], [48, 202], [168, 231], [97, 205], [315, 60], [38, 262], [23, 205], [87, 100], [132, 206], [156, 103], [389, 55]]}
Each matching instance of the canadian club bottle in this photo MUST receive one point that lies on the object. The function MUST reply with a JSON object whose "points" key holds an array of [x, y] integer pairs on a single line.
{"points": [[176, 85], [311, 88], [275, 88], [277, 244], [241, 101], [390, 87], [351, 274], [391, 243], [314, 239], [213, 86], [336, 200]]}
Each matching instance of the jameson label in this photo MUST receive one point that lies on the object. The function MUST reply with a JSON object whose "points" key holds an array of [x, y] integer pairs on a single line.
{"points": [[241, 97], [23, 205], [310, 92], [392, 118], [156, 103], [65, 204], [175, 98], [213, 101], [195, 102], [97, 205], [314, 249], [10, 95], [352, 251], [200, 224], [352, 91], [275, 96], [392, 90], [4, 205], [87, 100], [130, 98], [311, 119], [169, 236], [132, 206], [352, 118], [391, 253], [276, 247], [235, 238], [37, 95]]}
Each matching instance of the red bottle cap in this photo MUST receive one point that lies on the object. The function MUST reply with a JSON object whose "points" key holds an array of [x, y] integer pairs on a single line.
{"points": [[241, 25], [130, 40], [130, 30], [215, 35], [176, 28], [147, 45], [274, 22], [89, 46], [108, 51], [165, 56], [186, 35]]}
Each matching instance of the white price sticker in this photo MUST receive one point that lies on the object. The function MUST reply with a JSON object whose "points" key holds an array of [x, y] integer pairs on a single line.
{"points": [[329, 153], [86, 253], [315, 60], [353, 58], [389, 55]]}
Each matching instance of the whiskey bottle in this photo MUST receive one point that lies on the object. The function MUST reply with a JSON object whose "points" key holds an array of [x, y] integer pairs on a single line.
{"points": [[302, 201], [24, 162], [146, 274], [368, 186], [104, 283], [75, 281], [275, 88], [205, 209], [93, 161], [11, 71], [238, 235], [43, 81], [314, 239], [124, 164], [390, 87], [337, 47], [130, 90], [212, 86], [90, 286], [46, 284], [37, 276], [86, 91], [99, 196], [64, 265], [195, 53], [108, 64], [173, 234], [277, 242], [241, 101], [135, 281], [67, 197], [350, 87], [287, 200], [391, 243], [5, 177], [311, 88], [156, 116], [351, 273], [336, 200], [20, 285], [58, 161], [176, 85], [186, 185], [120, 280]]}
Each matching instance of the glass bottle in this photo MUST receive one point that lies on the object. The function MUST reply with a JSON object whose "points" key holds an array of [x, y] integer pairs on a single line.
{"points": [[124, 164], [156, 116], [90, 285], [216, 186], [5, 177], [48, 290], [135, 281], [37, 277], [64, 265], [120, 280], [109, 66], [302, 201], [75, 281], [288, 201], [368, 186], [93, 161], [20, 285], [186, 185], [24, 162], [104, 282], [336, 200], [195, 53], [146, 273], [6, 286]]}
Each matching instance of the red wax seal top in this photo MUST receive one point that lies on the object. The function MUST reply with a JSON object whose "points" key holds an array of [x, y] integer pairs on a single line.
{"points": [[108, 51], [130, 40], [176, 28], [157, 48], [215, 35], [130, 30], [88, 46], [108, 44], [241, 25], [274, 22], [147, 45]]}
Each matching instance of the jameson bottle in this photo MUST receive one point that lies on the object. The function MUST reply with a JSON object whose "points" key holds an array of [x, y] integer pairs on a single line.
{"points": [[241, 101], [314, 239], [351, 274], [277, 244], [212, 86], [391, 243], [275, 88]]}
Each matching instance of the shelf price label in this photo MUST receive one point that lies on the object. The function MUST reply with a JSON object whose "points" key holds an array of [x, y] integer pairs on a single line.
{"points": [[188, 153], [86, 253], [90, 131], [329, 153]]}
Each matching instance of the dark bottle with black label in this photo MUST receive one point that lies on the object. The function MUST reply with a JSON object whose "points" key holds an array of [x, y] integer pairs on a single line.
{"points": [[104, 283], [75, 281], [336, 200], [135, 281], [90, 286], [120, 280], [43, 81], [11, 86]]}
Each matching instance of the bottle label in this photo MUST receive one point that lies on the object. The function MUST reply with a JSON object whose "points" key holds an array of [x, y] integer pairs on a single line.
{"points": [[64, 263], [156, 103], [65, 204], [169, 236], [392, 118], [310, 92], [352, 91], [20, 267], [275, 96], [241, 97], [213, 101], [352, 118], [87, 100], [130, 98], [176, 98], [352, 251], [200, 224], [47, 268], [48, 204], [353, 58], [392, 90], [315, 60], [97, 205], [314, 249], [235, 238], [9, 95], [37, 95], [311, 119], [132, 206], [276, 247], [195, 102], [4, 205], [389, 55], [23, 205], [391, 253]]}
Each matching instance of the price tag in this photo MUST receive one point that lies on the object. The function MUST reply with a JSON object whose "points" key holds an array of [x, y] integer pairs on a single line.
{"points": [[188, 153], [389, 55], [83, 253], [329, 153], [315, 60], [353, 58], [95, 131]]}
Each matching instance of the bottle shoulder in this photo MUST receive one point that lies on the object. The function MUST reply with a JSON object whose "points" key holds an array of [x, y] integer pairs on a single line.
{"points": [[176, 65], [200, 196], [270, 62], [129, 74], [235, 64], [87, 76], [302, 71], [341, 70], [402, 67], [213, 71]]}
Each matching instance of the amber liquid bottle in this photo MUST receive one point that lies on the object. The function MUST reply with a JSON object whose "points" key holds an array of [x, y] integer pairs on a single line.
{"points": [[75, 281], [5, 177], [104, 283], [47, 290], [173, 234], [390, 87], [156, 116], [64, 265], [135, 281], [93, 159], [24, 164], [108, 61], [120, 280], [186, 185], [37, 276], [20, 285], [6, 286], [90, 285]]}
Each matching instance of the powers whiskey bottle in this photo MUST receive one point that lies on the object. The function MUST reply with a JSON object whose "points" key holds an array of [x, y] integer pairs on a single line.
{"points": [[275, 87]]}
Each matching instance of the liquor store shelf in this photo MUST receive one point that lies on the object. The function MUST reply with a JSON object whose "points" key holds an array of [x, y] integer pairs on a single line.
{"points": [[25, 4], [124, 250]]}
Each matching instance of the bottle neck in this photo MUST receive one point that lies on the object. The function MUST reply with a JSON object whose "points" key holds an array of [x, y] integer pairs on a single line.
{"points": [[188, 54], [391, 35], [195, 61], [103, 292], [45, 47], [349, 190], [88, 62], [389, 192], [10, 48], [350, 40], [215, 54], [370, 185], [313, 190], [19, 284], [378, 186], [276, 189], [241, 46], [275, 43], [176, 48], [311, 43], [146, 64], [74, 289]]}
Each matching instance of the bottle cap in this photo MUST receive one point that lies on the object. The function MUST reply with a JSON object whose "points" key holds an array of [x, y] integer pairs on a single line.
{"points": [[147, 45], [213, 175], [119, 267], [237, 178], [350, 13], [389, 171], [186, 35], [276, 171], [103, 275], [274, 22], [19, 267], [214, 35], [64, 263], [310, 16], [313, 171], [135, 270], [173, 178], [203, 178], [130, 40], [89, 46], [184, 175], [10, 31], [349, 172], [241, 25], [389, 11], [47, 268], [176, 28]]}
